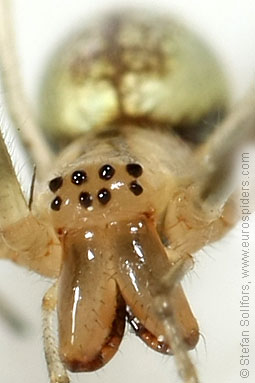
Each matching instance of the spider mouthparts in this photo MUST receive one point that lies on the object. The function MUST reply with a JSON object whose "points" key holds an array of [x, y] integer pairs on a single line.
{"points": [[91, 310], [114, 266], [142, 264]]}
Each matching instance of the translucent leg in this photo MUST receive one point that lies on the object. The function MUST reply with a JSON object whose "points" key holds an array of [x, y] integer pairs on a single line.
{"points": [[165, 310], [216, 157], [12, 202], [17, 103], [57, 372]]}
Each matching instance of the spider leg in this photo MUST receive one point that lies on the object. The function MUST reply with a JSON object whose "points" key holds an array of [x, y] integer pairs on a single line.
{"points": [[12, 202], [23, 237], [164, 305], [216, 156], [207, 206], [56, 369], [18, 106]]}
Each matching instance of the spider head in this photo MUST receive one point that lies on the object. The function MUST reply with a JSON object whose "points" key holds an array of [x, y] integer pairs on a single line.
{"points": [[112, 262]]}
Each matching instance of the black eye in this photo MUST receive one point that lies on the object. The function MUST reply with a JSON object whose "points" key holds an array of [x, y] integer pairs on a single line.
{"points": [[106, 172], [85, 199], [104, 196], [135, 188], [79, 177], [56, 204], [134, 170], [55, 184]]}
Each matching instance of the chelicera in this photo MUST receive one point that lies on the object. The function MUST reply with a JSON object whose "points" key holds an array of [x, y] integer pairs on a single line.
{"points": [[132, 181]]}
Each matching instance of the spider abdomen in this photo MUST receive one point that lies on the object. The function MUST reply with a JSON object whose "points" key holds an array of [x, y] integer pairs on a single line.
{"points": [[133, 67]]}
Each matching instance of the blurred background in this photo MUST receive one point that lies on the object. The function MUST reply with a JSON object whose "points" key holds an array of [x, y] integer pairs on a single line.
{"points": [[214, 286]]}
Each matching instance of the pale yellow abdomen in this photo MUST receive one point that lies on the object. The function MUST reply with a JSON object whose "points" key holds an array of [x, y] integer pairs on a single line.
{"points": [[132, 67]]}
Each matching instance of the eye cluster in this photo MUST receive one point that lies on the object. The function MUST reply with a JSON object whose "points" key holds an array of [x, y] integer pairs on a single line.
{"points": [[106, 172]]}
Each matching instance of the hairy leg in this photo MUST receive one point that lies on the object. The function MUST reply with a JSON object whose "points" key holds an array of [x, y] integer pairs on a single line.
{"points": [[56, 369]]}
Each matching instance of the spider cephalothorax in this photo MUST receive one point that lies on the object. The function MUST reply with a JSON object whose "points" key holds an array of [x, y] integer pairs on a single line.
{"points": [[109, 217]]}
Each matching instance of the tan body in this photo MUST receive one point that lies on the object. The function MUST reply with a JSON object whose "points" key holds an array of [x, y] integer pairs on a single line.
{"points": [[133, 197], [97, 242]]}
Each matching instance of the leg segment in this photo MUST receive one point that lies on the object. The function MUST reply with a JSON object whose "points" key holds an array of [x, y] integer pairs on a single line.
{"points": [[16, 100], [165, 309], [56, 369], [23, 238], [216, 157], [12, 202]]}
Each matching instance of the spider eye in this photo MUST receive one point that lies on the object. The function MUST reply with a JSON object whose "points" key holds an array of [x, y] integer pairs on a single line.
{"points": [[85, 199], [134, 170], [55, 184], [106, 172], [104, 196], [56, 204], [135, 188], [79, 177]]}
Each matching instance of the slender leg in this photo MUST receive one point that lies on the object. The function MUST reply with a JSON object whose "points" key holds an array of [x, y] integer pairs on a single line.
{"points": [[216, 157], [56, 369], [17, 103], [12, 202], [165, 310]]}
